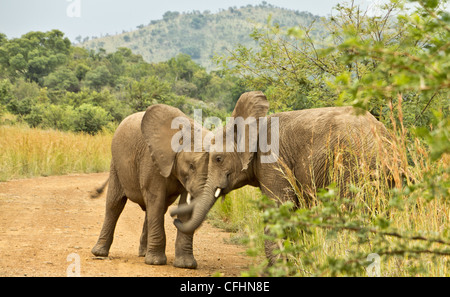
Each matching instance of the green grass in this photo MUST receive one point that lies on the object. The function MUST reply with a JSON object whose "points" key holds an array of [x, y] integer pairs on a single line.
{"points": [[28, 152], [238, 213]]}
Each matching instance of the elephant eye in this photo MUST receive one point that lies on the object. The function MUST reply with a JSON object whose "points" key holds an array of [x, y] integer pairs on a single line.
{"points": [[219, 159], [191, 167]]}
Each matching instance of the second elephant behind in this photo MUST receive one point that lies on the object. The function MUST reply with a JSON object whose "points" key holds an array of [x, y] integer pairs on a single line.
{"points": [[311, 143]]}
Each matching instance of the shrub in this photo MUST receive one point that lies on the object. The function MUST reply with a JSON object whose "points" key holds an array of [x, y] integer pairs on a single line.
{"points": [[62, 79], [90, 119], [21, 107], [98, 77]]}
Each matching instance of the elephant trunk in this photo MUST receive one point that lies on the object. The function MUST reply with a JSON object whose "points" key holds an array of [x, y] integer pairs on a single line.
{"points": [[183, 209], [201, 207]]}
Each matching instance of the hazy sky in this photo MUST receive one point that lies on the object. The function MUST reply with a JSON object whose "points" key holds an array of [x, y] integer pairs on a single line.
{"points": [[98, 17]]}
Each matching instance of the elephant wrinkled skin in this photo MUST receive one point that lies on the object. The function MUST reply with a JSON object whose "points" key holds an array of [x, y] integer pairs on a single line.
{"points": [[146, 170], [306, 138]]}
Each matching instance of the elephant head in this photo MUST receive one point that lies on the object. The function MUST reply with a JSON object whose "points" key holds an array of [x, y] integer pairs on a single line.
{"points": [[169, 134], [230, 164]]}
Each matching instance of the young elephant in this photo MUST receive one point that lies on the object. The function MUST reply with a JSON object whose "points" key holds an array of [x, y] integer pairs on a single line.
{"points": [[307, 142], [146, 170]]}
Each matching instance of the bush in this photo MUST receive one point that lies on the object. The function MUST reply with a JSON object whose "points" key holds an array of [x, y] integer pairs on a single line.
{"points": [[35, 117], [52, 116], [90, 119], [147, 91], [5, 91], [62, 79], [21, 107], [98, 77]]}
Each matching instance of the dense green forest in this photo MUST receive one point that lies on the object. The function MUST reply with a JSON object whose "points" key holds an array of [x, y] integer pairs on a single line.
{"points": [[49, 83]]}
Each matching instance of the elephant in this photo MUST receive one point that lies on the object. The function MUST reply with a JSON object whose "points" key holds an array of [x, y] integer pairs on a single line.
{"points": [[306, 141], [147, 170]]}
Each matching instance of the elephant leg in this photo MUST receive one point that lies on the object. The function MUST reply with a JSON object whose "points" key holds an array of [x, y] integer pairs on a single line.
{"points": [[282, 193], [184, 256], [143, 241], [115, 202], [156, 235]]}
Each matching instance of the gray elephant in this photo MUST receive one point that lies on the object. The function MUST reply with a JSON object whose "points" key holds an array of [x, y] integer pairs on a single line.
{"points": [[147, 170], [306, 140]]}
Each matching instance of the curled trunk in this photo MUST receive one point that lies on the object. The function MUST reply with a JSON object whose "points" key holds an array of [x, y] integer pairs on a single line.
{"points": [[183, 209], [199, 208]]}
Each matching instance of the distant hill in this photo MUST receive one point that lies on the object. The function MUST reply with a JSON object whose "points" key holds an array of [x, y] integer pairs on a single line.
{"points": [[201, 35]]}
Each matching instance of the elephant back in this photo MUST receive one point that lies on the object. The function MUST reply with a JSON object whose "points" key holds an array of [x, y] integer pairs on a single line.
{"points": [[317, 143]]}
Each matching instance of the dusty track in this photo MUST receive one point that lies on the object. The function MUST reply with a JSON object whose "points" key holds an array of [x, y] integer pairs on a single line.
{"points": [[43, 220]]}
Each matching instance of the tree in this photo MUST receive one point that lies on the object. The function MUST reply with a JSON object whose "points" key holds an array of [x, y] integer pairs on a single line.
{"points": [[198, 21], [5, 91], [98, 78], [413, 69], [62, 79], [297, 68], [170, 15], [90, 119], [146, 92], [41, 74], [182, 67], [192, 51], [35, 54], [81, 70]]}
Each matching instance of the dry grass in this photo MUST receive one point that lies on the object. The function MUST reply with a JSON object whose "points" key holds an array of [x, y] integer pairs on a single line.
{"points": [[27, 152], [373, 197]]}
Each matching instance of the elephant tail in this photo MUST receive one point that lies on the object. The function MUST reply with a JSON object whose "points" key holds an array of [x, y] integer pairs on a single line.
{"points": [[97, 192]]}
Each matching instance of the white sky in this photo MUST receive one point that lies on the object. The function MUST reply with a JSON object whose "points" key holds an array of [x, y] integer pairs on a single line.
{"points": [[98, 17]]}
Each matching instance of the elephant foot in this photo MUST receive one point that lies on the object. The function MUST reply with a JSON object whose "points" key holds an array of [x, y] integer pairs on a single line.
{"points": [[188, 262], [155, 259], [100, 251], [142, 252]]}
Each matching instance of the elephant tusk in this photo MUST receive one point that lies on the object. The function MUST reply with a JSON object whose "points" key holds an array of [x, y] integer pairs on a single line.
{"points": [[188, 199], [217, 192]]}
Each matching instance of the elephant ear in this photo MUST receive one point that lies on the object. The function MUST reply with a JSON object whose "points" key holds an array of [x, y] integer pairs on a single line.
{"points": [[157, 131], [250, 105]]}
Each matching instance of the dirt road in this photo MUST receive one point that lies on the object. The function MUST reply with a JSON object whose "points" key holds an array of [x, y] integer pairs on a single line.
{"points": [[43, 220]]}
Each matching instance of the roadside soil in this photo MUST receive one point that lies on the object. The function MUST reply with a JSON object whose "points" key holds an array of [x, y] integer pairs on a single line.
{"points": [[44, 220]]}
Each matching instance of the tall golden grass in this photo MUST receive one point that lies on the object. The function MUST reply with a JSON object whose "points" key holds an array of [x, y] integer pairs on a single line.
{"points": [[28, 152]]}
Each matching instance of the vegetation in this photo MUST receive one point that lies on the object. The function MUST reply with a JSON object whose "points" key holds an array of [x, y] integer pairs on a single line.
{"points": [[396, 66], [201, 35], [48, 83], [29, 152], [59, 105]]}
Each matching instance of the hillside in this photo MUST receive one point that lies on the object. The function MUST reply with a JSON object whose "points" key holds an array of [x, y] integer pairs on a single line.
{"points": [[201, 35]]}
